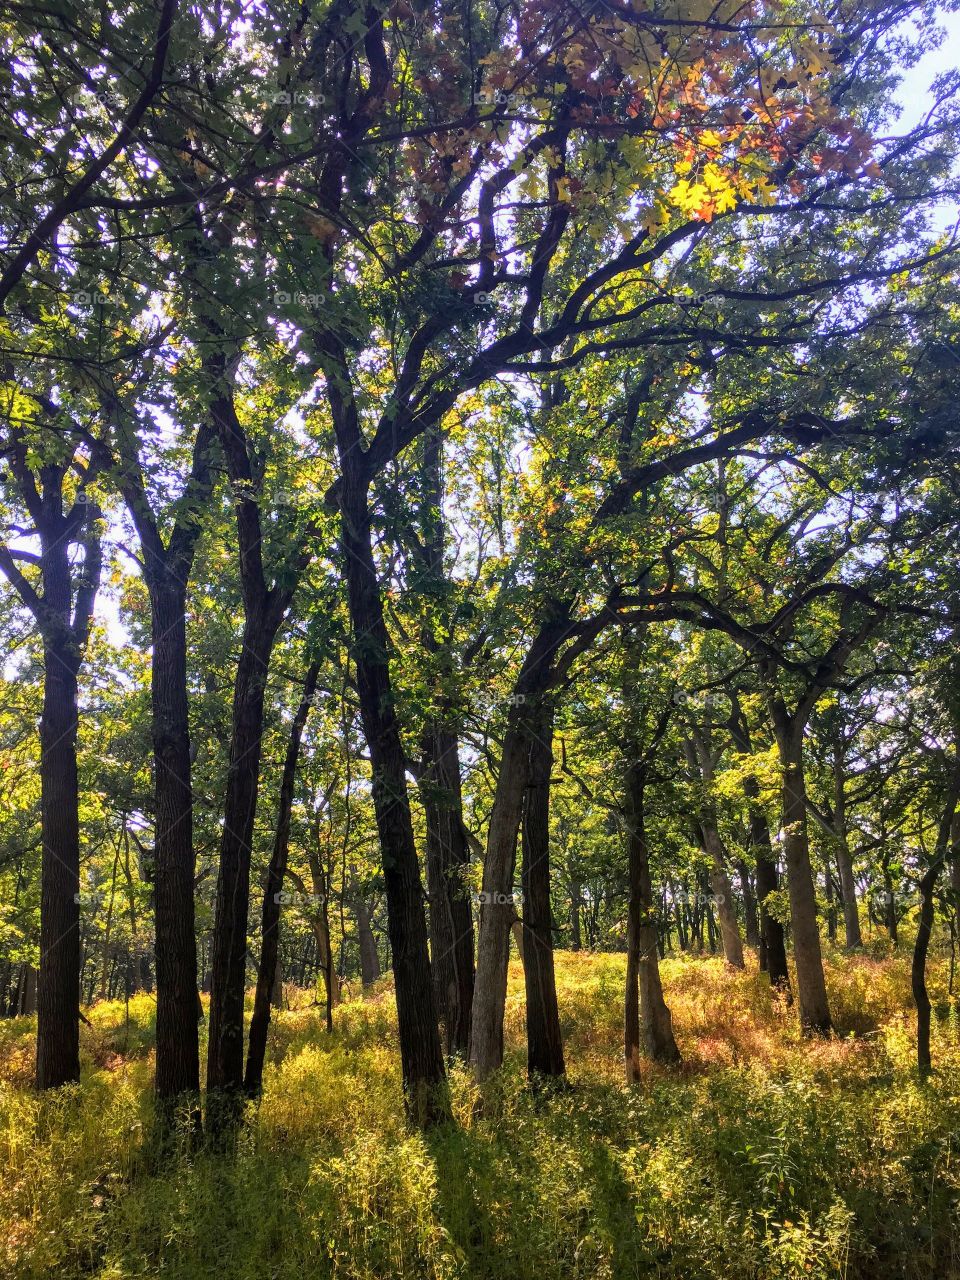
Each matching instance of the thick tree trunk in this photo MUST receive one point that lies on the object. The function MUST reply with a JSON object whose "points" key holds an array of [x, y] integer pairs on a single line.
{"points": [[544, 1041], [811, 985], [178, 1050], [647, 1024], [58, 988], [448, 861], [420, 1049], [270, 914]]}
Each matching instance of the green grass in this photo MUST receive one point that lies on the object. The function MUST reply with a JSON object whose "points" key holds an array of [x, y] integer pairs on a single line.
{"points": [[761, 1157]]}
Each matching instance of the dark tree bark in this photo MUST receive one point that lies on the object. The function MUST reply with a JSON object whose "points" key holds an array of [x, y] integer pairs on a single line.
{"points": [[946, 849], [647, 1024], [229, 960], [320, 921], [264, 608], [424, 1077], [544, 1041], [749, 905], [829, 896], [448, 859], [166, 571], [273, 889], [496, 907], [447, 850], [773, 949], [63, 609]]}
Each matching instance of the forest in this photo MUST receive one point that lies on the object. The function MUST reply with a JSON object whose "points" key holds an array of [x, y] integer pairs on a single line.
{"points": [[480, 630]]}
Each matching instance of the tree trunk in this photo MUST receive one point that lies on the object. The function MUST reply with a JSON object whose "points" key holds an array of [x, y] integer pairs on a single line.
{"points": [[229, 960], [811, 985], [773, 950], [647, 1024], [420, 1050], [700, 760], [918, 967], [496, 903], [175, 948], [749, 905], [320, 920], [28, 992], [448, 854], [576, 903], [848, 888], [270, 915], [369, 959], [448, 860], [544, 1041], [58, 987], [829, 895]]}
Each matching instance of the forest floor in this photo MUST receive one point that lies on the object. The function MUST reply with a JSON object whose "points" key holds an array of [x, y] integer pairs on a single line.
{"points": [[762, 1157]]}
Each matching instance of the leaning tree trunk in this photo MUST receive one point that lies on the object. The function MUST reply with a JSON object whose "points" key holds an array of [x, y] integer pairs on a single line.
{"points": [[420, 1049], [270, 915], [647, 1024], [544, 1041], [811, 985]]}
